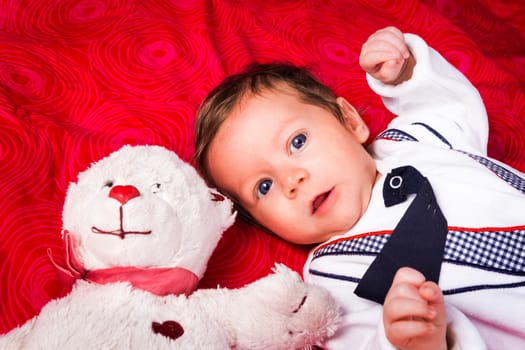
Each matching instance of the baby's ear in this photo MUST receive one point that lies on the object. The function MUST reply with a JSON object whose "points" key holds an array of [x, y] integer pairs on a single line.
{"points": [[353, 121]]}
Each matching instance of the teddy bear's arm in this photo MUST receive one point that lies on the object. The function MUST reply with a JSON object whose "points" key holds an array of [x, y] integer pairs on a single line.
{"points": [[275, 312]]}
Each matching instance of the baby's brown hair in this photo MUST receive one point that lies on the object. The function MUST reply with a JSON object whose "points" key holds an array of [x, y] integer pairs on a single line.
{"points": [[257, 78]]}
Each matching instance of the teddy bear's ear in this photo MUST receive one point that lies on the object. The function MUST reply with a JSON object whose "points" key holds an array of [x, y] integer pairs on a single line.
{"points": [[216, 196]]}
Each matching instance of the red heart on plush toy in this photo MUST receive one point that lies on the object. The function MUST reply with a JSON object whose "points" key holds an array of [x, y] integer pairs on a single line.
{"points": [[170, 329]]}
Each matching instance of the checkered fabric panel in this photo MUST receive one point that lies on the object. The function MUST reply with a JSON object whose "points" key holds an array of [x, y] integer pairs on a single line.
{"points": [[395, 135], [369, 245], [501, 250], [495, 250], [505, 174]]}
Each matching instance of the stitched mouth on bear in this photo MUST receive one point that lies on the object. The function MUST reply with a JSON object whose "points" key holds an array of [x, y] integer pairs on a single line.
{"points": [[120, 232]]}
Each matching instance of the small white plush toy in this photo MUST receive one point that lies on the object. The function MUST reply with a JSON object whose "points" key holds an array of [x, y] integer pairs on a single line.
{"points": [[140, 226]]}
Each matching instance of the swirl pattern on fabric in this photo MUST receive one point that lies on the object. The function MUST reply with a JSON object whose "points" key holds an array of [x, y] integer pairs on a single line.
{"points": [[81, 78]]}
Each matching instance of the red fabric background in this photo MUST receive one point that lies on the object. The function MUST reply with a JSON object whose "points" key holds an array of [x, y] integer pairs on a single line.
{"points": [[80, 78]]}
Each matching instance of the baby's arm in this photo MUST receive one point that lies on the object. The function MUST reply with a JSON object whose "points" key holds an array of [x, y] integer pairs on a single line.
{"points": [[433, 92], [414, 314], [386, 56]]}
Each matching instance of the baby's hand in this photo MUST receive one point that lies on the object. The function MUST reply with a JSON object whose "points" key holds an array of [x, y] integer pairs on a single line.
{"points": [[414, 312], [385, 56]]}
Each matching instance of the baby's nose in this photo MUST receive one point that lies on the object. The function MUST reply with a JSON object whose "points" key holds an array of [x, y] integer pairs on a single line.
{"points": [[294, 179]]}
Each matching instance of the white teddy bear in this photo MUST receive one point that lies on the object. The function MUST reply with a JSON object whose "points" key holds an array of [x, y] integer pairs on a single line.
{"points": [[139, 227]]}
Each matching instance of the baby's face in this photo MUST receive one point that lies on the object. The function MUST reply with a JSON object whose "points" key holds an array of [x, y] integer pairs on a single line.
{"points": [[297, 169]]}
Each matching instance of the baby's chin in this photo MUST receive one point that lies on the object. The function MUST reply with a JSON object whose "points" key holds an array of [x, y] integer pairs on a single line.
{"points": [[319, 237]]}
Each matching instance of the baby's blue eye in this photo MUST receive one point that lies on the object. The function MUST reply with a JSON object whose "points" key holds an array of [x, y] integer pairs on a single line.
{"points": [[297, 142], [263, 188]]}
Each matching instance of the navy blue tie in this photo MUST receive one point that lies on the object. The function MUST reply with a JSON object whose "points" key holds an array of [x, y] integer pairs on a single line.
{"points": [[418, 240]]}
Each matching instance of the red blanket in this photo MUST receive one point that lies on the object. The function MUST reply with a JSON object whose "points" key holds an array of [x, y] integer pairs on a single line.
{"points": [[80, 78]]}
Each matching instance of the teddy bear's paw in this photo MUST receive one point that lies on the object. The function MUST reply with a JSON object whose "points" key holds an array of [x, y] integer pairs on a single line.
{"points": [[283, 312]]}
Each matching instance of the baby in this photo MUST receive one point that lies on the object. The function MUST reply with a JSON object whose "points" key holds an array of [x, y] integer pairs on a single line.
{"points": [[292, 157]]}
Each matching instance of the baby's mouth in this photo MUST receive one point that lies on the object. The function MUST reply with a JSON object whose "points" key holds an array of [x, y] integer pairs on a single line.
{"points": [[319, 200]]}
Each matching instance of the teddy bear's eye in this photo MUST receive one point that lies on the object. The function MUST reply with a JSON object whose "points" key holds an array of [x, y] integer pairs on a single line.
{"points": [[108, 184], [155, 187]]}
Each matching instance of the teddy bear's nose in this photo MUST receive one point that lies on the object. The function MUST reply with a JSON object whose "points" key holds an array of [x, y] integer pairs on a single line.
{"points": [[124, 193]]}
